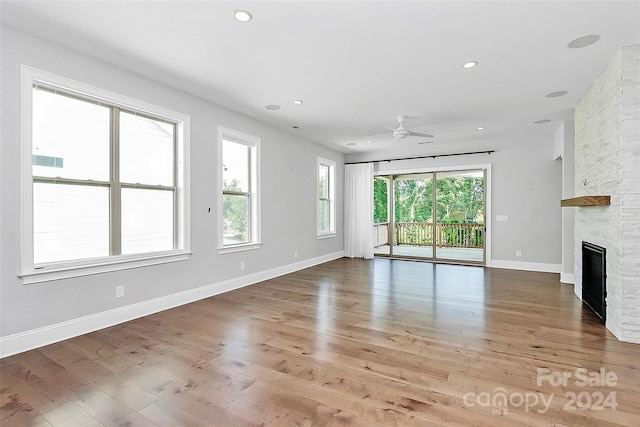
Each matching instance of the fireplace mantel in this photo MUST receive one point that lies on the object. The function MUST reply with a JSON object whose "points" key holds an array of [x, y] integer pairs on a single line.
{"points": [[587, 201]]}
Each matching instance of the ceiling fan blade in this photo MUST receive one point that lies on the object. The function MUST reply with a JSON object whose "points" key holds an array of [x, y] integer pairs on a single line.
{"points": [[385, 135], [425, 135], [422, 127], [390, 128]]}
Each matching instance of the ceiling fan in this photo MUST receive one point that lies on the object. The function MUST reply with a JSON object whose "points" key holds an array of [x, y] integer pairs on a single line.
{"points": [[402, 132]]}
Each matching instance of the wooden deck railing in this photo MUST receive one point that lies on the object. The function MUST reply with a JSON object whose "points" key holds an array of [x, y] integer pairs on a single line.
{"points": [[421, 234], [460, 235], [381, 234]]}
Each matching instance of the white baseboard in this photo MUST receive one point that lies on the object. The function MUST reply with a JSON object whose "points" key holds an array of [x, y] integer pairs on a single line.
{"points": [[39, 337], [577, 289], [567, 278], [527, 266]]}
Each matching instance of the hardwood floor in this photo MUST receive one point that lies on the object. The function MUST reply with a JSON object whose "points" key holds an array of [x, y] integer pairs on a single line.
{"points": [[347, 343]]}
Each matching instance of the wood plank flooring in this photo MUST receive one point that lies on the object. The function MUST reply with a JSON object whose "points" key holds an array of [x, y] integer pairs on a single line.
{"points": [[346, 343]]}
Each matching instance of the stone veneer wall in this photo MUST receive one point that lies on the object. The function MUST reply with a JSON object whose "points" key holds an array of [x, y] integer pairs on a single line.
{"points": [[607, 156], [630, 210]]}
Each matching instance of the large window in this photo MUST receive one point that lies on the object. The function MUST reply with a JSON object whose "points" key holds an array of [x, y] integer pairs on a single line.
{"points": [[239, 201], [104, 182], [326, 198]]}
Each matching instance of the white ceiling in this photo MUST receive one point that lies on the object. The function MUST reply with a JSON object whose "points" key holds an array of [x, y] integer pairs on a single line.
{"points": [[356, 64]]}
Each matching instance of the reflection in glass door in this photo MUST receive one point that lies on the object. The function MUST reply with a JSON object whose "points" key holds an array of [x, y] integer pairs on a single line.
{"points": [[408, 224]]}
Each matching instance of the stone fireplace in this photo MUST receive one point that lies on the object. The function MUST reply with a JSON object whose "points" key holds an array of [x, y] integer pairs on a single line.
{"points": [[607, 163]]}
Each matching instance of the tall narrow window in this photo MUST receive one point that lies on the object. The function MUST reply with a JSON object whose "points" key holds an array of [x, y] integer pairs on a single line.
{"points": [[326, 198], [240, 202], [236, 192], [106, 181]]}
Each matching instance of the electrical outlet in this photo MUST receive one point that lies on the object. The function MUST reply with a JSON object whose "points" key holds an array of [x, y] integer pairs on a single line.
{"points": [[119, 291], [518, 252], [295, 254], [241, 265]]}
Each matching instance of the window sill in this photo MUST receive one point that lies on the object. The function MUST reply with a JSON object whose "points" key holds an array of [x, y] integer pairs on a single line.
{"points": [[66, 272], [239, 248], [326, 235]]}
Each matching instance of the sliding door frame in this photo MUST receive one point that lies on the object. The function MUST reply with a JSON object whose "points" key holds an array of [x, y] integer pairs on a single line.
{"points": [[486, 168]]}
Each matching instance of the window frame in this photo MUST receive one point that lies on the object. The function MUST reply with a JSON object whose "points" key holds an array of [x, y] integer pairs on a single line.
{"points": [[42, 272], [254, 193], [331, 165]]}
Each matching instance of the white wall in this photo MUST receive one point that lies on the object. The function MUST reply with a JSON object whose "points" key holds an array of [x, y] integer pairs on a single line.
{"points": [[607, 163], [564, 151], [288, 208], [525, 185]]}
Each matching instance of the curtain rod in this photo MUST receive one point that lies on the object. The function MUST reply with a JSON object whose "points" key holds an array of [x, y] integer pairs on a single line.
{"points": [[423, 157]]}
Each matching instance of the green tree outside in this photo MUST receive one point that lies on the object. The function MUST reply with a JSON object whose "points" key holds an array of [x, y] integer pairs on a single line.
{"points": [[460, 200], [380, 195], [235, 214]]}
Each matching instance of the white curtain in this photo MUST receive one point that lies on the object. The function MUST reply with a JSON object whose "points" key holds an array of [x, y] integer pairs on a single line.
{"points": [[358, 210]]}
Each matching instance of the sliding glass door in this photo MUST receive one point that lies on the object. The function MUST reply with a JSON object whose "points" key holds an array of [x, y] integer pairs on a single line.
{"points": [[460, 216], [434, 216]]}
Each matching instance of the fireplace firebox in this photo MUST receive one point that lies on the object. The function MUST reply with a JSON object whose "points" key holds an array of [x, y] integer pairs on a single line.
{"points": [[594, 279]]}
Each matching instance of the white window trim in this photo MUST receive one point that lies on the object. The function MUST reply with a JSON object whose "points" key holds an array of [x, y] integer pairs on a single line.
{"points": [[332, 199], [255, 215], [63, 270]]}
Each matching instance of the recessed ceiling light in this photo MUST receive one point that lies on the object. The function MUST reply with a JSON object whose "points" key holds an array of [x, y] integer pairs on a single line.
{"points": [[242, 16], [556, 94], [351, 144], [298, 102], [369, 142], [539, 122], [480, 128], [583, 41], [470, 64], [272, 107]]}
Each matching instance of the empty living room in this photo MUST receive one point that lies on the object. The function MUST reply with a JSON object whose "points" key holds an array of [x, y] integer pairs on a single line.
{"points": [[319, 213]]}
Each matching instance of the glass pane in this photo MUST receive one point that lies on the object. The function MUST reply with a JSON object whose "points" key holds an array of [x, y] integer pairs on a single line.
{"points": [[380, 200], [413, 213], [460, 215], [381, 225], [147, 220], [235, 219], [324, 216], [146, 150], [69, 222], [235, 166], [70, 137], [323, 182]]}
